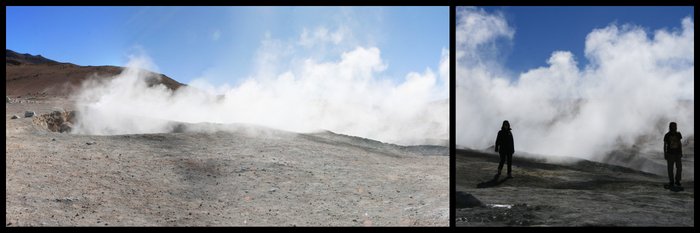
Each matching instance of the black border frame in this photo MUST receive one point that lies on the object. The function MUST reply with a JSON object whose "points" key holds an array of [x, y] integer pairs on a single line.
{"points": [[452, 4]]}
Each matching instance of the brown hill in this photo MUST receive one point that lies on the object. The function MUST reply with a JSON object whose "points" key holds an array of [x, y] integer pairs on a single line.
{"points": [[12, 57], [28, 75]]}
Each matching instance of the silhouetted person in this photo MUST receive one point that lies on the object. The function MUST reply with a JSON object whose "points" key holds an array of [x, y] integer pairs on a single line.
{"points": [[673, 153], [504, 147]]}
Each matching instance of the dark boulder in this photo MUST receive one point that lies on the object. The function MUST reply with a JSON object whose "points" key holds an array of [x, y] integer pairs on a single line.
{"points": [[466, 200]]}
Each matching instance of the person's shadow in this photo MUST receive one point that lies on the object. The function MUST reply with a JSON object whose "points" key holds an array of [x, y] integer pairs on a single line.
{"points": [[491, 183]]}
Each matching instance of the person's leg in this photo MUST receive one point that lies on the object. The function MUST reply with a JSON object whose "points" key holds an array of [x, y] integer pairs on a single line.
{"points": [[679, 169], [510, 162], [669, 165], [500, 164]]}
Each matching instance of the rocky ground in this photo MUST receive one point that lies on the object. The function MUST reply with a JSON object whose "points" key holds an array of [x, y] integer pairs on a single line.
{"points": [[243, 175], [582, 193]]}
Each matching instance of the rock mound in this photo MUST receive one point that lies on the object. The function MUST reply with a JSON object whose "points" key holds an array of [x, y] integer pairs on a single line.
{"points": [[57, 121], [466, 200]]}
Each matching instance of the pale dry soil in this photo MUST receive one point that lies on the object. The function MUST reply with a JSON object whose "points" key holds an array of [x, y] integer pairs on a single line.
{"points": [[244, 175]]}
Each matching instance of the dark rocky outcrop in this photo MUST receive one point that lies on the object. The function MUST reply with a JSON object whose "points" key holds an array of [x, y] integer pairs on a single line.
{"points": [[466, 200]]}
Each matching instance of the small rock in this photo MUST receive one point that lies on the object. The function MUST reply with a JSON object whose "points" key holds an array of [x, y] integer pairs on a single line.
{"points": [[91, 143], [56, 113], [28, 114], [7, 98], [65, 127], [466, 200], [53, 139], [14, 117], [71, 116]]}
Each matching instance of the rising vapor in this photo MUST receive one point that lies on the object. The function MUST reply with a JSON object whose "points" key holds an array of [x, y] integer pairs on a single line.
{"points": [[348, 94], [633, 85]]}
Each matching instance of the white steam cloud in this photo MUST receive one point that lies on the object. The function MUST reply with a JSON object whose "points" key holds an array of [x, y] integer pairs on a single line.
{"points": [[633, 86], [348, 95]]}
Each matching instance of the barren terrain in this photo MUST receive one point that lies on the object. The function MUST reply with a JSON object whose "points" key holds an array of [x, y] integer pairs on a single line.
{"points": [[582, 193], [243, 175], [200, 174]]}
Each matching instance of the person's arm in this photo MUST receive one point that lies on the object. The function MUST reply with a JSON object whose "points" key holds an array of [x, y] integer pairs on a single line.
{"points": [[665, 144], [498, 141], [512, 143], [680, 148]]}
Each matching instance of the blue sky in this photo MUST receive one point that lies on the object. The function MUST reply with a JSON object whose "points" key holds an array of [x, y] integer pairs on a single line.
{"points": [[187, 42], [539, 31]]}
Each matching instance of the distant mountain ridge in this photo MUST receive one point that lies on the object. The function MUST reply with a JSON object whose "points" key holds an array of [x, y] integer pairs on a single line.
{"points": [[15, 58], [37, 76]]}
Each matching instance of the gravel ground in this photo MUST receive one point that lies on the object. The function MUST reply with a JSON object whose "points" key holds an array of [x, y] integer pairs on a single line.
{"points": [[584, 193], [245, 175]]}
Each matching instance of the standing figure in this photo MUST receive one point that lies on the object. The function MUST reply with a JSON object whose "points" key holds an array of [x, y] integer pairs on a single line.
{"points": [[504, 147], [673, 153]]}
